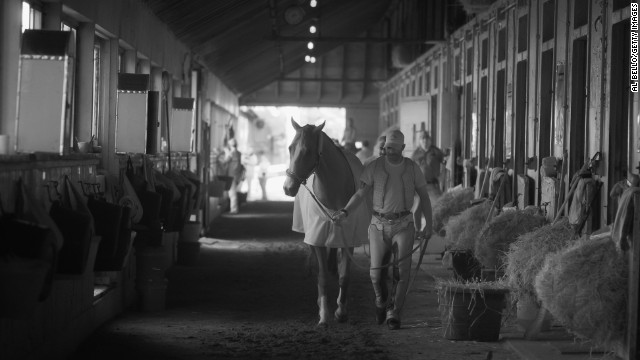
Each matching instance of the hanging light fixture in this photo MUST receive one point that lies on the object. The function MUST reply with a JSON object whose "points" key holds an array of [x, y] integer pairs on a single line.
{"points": [[313, 3], [310, 45], [312, 59], [312, 29], [307, 58]]}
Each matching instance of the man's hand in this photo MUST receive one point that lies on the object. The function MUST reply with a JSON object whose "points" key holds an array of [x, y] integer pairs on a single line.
{"points": [[338, 217], [424, 234]]}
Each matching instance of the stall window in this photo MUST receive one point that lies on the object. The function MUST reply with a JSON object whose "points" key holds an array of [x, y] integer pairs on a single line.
{"points": [[100, 83], [548, 20], [580, 14], [31, 17], [502, 45], [522, 33], [485, 53], [435, 77]]}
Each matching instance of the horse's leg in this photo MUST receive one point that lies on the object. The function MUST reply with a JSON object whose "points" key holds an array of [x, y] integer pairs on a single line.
{"points": [[323, 275], [344, 271]]}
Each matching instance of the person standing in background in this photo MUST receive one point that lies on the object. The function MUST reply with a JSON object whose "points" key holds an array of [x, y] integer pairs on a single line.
{"points": [[263, 168], [429, 158], [379, 150], [365, 152], [349, 136], [235, 169]]}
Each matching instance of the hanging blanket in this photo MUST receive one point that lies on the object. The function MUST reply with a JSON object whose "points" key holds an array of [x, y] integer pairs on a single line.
{"points": [[318, 229], [622, 229]]}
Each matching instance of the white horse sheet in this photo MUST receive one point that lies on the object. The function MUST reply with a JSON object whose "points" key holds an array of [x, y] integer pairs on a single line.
{"points": [[318, 229]]}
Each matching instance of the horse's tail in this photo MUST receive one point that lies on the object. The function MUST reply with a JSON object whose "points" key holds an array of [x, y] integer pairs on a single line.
{"points": [[332, 261]]}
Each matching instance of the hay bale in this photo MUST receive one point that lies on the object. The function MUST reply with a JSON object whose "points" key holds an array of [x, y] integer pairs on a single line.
{"points": [[585, 287], [527, 254], [463, 229], [449, 204], [501, 231]]}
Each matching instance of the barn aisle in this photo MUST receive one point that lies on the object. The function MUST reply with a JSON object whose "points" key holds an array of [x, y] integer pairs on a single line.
{"points": [[251, 297]]}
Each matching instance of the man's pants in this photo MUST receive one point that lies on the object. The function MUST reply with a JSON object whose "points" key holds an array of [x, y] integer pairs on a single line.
{"points": [[396, 236]]}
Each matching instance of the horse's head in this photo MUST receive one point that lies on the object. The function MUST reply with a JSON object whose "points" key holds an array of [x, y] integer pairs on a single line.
{"points": [[304, 156]]}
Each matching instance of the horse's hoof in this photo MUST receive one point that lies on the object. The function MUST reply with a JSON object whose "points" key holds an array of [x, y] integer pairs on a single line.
{"points": [[322, 325], [393, 323], [340, 316]]}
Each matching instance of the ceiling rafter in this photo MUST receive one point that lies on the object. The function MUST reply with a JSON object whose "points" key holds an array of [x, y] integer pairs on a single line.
{"points": [[344, 40], [257, 55]]}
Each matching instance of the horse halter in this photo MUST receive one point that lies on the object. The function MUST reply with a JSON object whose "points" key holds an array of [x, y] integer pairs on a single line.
{"points": [[303, 180]]}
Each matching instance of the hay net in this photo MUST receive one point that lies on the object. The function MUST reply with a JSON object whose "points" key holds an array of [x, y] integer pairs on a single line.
{"points": [[585, 288], [449, 204], [527, 254], [501, 231], [463, 229]]}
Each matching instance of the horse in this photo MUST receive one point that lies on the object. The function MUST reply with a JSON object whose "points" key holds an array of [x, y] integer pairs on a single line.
{"points": [[333, 173]]}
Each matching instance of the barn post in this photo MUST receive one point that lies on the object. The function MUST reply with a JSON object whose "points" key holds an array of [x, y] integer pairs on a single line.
{"points": [[634, 279]]}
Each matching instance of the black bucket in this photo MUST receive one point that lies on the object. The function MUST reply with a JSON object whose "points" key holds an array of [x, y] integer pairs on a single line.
{"points": [[471, 314], [188, 253], [465, 265]]}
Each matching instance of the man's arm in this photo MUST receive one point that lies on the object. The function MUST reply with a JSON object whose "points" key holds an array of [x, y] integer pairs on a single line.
{"points": [[425, 203], [353, 203]]}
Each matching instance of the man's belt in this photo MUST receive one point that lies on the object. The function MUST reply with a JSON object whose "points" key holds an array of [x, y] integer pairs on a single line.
{"points": [[432, 181], [392, 216]]}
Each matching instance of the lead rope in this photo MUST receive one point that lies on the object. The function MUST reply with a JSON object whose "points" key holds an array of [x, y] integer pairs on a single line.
{"points": [[395, 262]]}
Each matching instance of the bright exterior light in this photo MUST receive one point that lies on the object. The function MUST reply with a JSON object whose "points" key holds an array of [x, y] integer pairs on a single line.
{"points": [[313, 59], [310, 45], [313, 3], [312, 29], [307, 58]]}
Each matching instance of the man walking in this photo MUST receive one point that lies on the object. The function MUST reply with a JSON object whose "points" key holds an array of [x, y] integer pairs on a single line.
{"points": [[430, 159], [235, 169], [392, 180]]}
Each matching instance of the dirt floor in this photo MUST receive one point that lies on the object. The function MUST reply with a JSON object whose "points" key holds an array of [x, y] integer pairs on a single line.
{"points": [[251, 296]]}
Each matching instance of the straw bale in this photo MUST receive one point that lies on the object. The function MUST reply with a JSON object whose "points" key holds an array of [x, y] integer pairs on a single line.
{"points": [[463, 229], [449, 204], [501, 231], [585, 287], [527, 254]]}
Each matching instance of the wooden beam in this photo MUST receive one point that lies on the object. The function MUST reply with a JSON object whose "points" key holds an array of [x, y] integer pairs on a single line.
{"points": [[344, 40], [634, 280], [323, 79]]}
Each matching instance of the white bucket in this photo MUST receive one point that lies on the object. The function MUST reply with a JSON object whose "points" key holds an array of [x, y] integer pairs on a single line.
{"points": [[151, 262], [526, 313], [153, 295]]}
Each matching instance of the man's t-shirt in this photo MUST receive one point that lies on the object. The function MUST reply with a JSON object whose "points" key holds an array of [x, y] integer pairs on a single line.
{"points": [[394, 190]]}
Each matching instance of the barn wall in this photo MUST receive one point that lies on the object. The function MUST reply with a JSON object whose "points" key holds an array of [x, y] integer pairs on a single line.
{"points": [[556, 94], [56, 325]]}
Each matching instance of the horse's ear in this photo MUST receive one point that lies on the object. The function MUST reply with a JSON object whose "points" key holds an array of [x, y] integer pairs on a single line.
{"points": [[295, 124], [319, 128]]}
